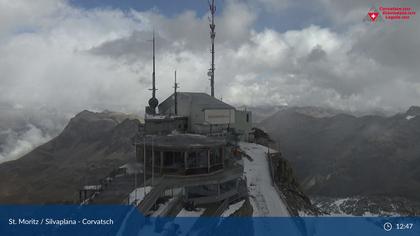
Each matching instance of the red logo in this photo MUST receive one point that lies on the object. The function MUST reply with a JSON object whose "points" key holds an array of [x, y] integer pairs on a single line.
{"points": [[373, 15], [389, 13]]}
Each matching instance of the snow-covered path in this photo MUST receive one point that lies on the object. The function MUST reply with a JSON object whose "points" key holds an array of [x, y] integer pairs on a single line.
{"points": [[263, 196]]}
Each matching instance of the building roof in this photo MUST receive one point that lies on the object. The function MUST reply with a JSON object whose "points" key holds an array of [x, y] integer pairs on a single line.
{"points": [[201, 100], [182, 141]]}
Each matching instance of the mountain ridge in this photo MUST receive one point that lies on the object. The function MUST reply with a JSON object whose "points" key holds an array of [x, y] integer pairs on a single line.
{"points": [[91, 146], [345, 155]]}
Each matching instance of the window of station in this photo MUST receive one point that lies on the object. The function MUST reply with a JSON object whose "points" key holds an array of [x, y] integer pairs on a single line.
{"points": [[197, 159], [202, 191], [139, 153], [149, 156], [216, 156], [157, 158], [168, 158], [173, 159]]}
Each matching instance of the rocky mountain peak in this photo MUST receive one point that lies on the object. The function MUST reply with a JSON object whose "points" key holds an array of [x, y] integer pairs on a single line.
{"points": [[413, 111], [90, 126]]}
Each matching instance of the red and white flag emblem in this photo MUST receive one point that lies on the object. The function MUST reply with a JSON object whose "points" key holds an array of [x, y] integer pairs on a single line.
{"points": [[373, 15]]}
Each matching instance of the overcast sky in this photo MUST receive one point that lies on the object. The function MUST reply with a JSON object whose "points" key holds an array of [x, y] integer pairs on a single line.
{"points": [[96, 54]]}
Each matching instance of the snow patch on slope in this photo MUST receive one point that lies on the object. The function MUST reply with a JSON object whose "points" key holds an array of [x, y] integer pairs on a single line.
{"points": [[337, 207], [409, 117]]}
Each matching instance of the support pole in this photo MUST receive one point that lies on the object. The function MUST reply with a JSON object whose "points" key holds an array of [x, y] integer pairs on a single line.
{"points": [[144, 166], [161, 162], [135, 185], [185, 161], [176, 96], [153, 161], [222, 156]]}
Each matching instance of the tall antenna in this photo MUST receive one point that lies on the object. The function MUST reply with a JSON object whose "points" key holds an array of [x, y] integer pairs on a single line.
{"points": [[154, 67], [153, 102], [212, 7], [176, 95]]}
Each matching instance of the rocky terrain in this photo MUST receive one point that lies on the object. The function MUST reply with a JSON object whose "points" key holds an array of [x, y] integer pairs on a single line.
{"points": [[367, 206], [90, 146]]}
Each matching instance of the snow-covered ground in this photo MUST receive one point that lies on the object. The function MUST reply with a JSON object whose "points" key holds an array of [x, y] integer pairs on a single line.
{"points": [[184, 213], [233, 208], [409, 117], [263, 196], [335, 207], [138, 194]]}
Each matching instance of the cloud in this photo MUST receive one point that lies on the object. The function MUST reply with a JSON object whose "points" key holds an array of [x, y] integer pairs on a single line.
{"points": [[74, 59], [18, 144], [24, 128], [65, 59]]}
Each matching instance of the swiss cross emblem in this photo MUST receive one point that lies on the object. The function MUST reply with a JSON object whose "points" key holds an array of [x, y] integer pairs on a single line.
{"points": [[373, 15]]}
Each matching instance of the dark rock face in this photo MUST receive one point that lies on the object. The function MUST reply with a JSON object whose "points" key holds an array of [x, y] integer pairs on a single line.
{"points": [[344, 155], [297, 200], [91, 146], [413, 111], [261, 137]]}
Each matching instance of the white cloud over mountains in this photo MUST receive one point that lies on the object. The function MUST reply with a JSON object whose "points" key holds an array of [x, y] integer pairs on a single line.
{"points": [[17, 145], [55, 54]]}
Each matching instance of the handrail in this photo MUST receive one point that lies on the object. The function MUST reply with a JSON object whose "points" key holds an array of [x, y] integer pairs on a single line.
{"points": [[274, 184]]}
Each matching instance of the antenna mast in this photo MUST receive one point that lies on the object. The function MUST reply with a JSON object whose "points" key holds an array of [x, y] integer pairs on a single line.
{"points": [[153, 102], [212, 7], [154, 67], [176, 95]]}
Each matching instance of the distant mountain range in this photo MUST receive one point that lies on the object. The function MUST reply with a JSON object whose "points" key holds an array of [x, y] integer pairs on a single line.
{"points": [[89, 148], [261, 113], [342, 155]]}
